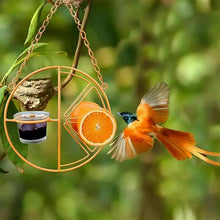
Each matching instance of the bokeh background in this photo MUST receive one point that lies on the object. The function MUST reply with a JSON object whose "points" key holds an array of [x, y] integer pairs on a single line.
{"points": [[136, 43]]}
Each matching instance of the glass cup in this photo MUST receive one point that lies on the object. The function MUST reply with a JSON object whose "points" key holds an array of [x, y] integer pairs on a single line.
{"points": [[31, 133]]}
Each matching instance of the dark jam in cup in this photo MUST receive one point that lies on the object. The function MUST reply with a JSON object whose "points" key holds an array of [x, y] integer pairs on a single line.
{"points": [[32, 132]]}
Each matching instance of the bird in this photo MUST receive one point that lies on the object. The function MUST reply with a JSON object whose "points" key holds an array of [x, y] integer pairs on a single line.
{"points": [[147, 125]]}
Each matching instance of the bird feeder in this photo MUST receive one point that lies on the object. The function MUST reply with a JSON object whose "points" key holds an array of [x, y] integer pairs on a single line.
{"points": [[84, 120]]}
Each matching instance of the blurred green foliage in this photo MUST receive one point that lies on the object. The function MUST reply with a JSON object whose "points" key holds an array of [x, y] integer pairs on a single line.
{"points": [[136, 43]]}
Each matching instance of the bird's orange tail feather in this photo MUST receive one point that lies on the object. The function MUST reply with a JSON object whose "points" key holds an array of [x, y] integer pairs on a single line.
{"points": [[182, 145]]}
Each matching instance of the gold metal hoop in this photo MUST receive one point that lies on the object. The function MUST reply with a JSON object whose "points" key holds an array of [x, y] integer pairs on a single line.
{"points": [[91, 85]]}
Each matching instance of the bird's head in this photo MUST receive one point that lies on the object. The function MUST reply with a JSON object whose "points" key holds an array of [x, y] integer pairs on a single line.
{"points": [[128, 117]]}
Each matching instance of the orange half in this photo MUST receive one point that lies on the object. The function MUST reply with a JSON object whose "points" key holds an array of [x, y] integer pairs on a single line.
{"points": [[80, 110], [97, 127]]}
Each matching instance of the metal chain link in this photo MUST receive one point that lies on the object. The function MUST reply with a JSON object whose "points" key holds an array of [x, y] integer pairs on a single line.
{"points": [[38, 36], [42, 29], [86, 43]]}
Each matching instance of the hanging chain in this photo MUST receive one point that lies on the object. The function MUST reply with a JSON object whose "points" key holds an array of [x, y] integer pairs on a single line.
{"points": [[42, 29], [86, 43], [38, 36]]}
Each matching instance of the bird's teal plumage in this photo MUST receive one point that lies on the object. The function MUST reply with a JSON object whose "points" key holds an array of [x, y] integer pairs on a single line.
{"points": [[128, 117]]}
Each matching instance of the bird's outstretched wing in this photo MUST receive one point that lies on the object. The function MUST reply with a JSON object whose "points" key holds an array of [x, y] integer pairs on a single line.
{"points": [[129, 144], [155, 104]]}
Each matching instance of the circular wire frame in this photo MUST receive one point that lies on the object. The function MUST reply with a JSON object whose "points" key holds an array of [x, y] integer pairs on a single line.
{"points": [[91, 85]]}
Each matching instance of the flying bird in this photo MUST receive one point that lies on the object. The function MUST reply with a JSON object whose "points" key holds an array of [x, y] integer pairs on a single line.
{"points": [[146, 125]]}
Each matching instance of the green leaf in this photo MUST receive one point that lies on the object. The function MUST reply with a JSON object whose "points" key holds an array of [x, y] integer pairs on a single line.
{"points": [[2, 94], [20, 59], [39, 45], [12, 130], [34, 24]]}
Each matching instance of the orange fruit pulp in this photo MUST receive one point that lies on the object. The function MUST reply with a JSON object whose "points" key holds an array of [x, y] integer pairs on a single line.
{"points": [[96, 126]]}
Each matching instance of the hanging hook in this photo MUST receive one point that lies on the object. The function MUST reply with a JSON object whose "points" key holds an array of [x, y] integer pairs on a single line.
{"points": [[75, 3]]}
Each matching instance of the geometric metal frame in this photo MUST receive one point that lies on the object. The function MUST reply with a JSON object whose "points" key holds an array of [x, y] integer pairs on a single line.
{"points": [[91, 85]]}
